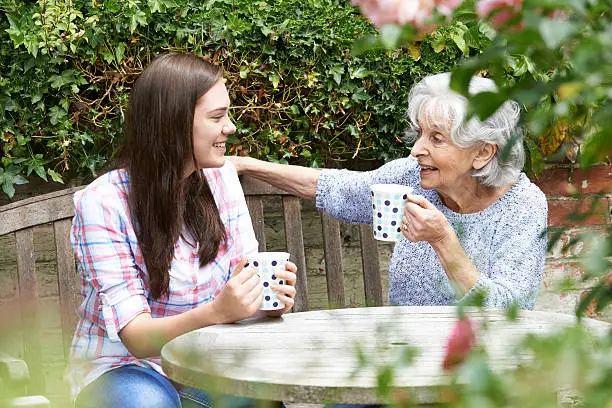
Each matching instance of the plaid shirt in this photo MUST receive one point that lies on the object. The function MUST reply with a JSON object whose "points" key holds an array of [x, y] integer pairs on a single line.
{"points": [[114, 280]]}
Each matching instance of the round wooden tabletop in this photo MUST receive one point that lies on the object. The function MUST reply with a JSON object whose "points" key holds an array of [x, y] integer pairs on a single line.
{"points": [[333, 356]]}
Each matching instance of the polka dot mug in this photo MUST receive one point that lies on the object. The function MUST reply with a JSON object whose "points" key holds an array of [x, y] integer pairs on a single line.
{"points": [[388, 202], [267, 264]]}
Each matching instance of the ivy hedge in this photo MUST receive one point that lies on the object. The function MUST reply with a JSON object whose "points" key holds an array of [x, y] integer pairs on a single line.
{"points": [[299, 95]]}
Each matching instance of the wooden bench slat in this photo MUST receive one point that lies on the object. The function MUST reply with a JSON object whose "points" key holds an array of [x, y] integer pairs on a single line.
{"points": [[295, 246], [41, 198], [254, 187], [68, 281], [48, 208], [28, 296], [255, 205], [371, 267], [333, 261]]}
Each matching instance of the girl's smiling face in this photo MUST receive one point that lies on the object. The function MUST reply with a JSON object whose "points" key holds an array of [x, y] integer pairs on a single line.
{"points": [[211, 127]]}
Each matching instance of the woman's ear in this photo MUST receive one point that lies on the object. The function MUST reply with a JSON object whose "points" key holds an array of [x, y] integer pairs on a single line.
{"points": [[484, 155]]}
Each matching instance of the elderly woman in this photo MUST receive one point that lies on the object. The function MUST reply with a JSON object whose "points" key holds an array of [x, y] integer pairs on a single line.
{"points": [[475, 223]]}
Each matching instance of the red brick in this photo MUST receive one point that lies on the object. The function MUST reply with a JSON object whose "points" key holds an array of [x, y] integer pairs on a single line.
{"points": [[605, 314], [561, 181], [560, 210], [556, 272], [560, 251]]}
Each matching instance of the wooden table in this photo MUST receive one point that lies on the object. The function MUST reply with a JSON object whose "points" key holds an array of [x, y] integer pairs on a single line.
{"points": [[311, 357]]}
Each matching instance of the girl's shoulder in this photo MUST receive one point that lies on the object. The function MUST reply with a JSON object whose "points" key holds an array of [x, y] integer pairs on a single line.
{"points": [[107, 188], [225, 174]]}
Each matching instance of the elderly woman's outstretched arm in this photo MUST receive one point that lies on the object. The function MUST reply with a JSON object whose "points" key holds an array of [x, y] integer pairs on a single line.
{"points": [[343, 194], [297, 180]]}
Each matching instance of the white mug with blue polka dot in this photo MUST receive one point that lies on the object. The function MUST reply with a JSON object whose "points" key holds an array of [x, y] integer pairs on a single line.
{"points": [[266, 264], [388, 202]]}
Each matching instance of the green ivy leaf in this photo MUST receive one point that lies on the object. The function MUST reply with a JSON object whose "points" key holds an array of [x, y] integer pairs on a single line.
{"points": [[360, 72], [360, 95], [137, 18], [438, 44], [55, 176], [458, 37], [19, 179], [8, 188], [120, 51], [275, 79], [9, 177], [56, 114], [336, 71]]}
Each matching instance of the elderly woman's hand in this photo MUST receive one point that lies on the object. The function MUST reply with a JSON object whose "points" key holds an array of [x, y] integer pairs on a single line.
{"points": [[424, 222], [285, 292]]}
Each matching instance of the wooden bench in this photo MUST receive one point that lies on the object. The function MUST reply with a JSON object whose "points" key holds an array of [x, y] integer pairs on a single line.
{"points": [[20, 219]]}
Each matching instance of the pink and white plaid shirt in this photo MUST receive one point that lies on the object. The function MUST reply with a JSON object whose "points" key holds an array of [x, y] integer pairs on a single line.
{"points": [[114, 280]]}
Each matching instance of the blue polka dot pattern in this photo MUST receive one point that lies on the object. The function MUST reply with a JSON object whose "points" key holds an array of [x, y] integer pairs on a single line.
{"points": [[387, 211], [266, 270]]}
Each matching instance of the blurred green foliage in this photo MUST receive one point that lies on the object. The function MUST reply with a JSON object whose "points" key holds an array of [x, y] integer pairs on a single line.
{"points": [[555, 58]]}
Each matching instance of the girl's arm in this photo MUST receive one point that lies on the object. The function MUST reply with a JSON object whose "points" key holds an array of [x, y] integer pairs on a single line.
{"points": [[144, 336]]}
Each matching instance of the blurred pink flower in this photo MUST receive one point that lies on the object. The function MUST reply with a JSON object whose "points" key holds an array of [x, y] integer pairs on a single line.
{"points": [[558, 14], [446, 7], [503, 10], [413, 12], [459, 343]]}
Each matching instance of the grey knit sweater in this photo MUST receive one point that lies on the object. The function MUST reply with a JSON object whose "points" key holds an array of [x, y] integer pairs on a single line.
{"points": [[506, 241]]}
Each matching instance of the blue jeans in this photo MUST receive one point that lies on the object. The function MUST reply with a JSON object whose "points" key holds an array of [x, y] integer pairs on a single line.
{"points": [[133, 386]]}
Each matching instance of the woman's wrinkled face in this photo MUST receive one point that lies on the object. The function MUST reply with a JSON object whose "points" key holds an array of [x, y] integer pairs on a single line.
{"points": [[212, 126], [445, 167]]}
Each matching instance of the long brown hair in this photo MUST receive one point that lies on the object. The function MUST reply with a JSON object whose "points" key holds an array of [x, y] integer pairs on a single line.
{"points": [[158, 142]]}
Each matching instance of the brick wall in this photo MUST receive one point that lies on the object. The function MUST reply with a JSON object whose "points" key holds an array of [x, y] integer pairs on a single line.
{"points": [[573, 191]]}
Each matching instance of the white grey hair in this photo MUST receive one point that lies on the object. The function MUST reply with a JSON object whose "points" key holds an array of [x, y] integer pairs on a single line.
{"points": [[431, 102]]}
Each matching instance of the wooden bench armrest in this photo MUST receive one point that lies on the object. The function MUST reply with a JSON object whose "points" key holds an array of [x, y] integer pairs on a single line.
{"points": [[14, 373], [13, 370], [37, 401]]}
